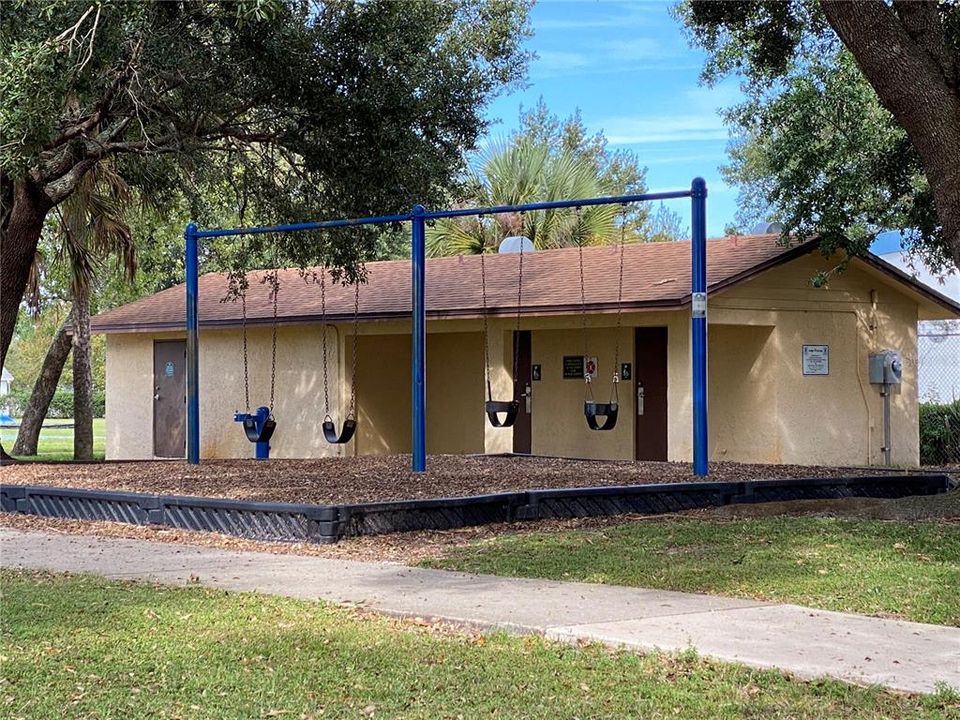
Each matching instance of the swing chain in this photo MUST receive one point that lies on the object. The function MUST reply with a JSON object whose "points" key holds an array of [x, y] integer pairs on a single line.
{"points": [[616, 347], [275, 289], [486, 322], [356, 338], [516, 338], [583, 301], [246, 368], [323, 339]]}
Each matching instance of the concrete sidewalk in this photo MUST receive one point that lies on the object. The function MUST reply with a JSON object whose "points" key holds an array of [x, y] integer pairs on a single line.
{"points": [[809, 643]]}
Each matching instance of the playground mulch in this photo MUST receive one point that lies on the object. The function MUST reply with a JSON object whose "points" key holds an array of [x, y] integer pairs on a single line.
{"points": [[372, 479]]}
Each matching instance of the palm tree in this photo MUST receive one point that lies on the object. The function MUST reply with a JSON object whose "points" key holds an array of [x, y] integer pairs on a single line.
{"points": [[523, 171], [89, 230]]}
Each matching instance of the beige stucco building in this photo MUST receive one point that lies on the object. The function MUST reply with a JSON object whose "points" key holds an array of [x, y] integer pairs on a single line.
{"points": [[788, 363]]}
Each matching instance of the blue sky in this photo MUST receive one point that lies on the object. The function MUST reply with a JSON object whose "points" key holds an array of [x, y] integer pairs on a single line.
{"points": [[628, 67]]}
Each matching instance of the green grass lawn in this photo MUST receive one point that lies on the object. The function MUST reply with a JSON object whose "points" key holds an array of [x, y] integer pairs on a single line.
{"points": [[78, 647], [909, 570], [57, 443]]}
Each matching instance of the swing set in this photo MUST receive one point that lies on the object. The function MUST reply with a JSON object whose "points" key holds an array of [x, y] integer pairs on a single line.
{"points": [[600, 416], [259, 425]]}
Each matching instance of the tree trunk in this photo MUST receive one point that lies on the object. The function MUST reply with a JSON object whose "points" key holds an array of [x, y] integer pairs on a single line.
{"points": [[19, 236], [43, 390], [903, 66], [82, 376]]}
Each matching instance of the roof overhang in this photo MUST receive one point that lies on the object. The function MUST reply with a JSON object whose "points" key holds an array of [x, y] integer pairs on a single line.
{"points": [[933, 305]]}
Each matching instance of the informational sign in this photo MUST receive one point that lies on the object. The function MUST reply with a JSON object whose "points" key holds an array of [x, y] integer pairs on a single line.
{"points": [[698, 305], [536, 373], [626, 371], [168, 369], [591, 368], [816, 359], [575, 369]]}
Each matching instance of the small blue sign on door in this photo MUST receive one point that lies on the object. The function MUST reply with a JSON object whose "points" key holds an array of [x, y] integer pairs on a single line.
{"points": [[168, 369]]}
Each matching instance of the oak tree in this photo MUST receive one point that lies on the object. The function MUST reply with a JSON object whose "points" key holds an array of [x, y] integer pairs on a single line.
{"points": [[306, 107], [852, 118]]}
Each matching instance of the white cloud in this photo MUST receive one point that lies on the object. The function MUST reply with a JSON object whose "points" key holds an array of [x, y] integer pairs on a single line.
{"points": [[631, 15], [623, 130], [719, 157], [551, 61]]}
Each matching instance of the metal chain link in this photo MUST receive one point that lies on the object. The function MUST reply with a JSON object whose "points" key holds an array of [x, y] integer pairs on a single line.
{"points": [[356, 338], [246, 368], [516, 337], [583, 306], [273, 350], [486, 322], [616, 347], [323, 339]]}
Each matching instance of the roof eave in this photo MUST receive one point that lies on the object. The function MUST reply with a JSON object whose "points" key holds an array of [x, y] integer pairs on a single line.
{"points": [[937, 299]]}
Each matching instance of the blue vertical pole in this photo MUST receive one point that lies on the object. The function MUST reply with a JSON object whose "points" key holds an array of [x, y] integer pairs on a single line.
{"points": [[698, 313], [193, 338], [419, 349]]}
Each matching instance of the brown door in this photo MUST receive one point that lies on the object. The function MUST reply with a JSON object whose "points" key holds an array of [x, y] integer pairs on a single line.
{"points": [[169, 398], [650, 391], [522, 433]]}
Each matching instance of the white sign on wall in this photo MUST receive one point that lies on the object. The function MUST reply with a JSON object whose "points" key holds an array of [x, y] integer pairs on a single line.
{"points": [[816, 359], [590, 367]]}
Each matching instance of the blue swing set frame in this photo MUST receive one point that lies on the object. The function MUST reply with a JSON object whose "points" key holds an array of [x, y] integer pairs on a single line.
{"points": [[418, 218]]}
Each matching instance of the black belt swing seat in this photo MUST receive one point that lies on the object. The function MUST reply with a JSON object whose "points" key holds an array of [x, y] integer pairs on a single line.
{"points": [[331, 435], [329, 428], [508, 408]]}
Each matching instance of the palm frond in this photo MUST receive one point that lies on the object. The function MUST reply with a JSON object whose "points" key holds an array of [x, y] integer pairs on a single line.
{"points": [[449, 237], [517, 171], [92, 228]]}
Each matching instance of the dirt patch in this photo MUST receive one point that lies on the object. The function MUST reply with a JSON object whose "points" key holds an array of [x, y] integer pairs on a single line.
{"points": [[371, 479]]}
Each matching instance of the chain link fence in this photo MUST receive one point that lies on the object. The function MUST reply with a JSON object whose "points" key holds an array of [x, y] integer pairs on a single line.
{"points": [[938, 375]]}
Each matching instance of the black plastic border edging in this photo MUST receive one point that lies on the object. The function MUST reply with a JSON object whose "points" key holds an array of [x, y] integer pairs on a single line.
{"points": [[328, 523]]}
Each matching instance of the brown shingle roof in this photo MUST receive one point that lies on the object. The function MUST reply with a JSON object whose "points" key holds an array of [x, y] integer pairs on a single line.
{"points": [[655, 275]]}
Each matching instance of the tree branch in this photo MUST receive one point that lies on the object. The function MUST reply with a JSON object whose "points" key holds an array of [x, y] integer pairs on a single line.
{"points": [[86, 124], [911, 85], [61, 188]]}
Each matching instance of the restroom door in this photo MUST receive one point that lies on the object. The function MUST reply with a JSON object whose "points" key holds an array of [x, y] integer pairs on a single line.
{"points": [[169, 398], [650, 391], [522, 427]]}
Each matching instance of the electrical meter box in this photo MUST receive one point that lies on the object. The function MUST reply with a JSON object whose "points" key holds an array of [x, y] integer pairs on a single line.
{"points": [[886, 368]]}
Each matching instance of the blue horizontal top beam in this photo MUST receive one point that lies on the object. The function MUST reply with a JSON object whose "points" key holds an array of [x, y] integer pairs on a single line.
{"points": [[437, 214], [556, 204], [299, 227]]}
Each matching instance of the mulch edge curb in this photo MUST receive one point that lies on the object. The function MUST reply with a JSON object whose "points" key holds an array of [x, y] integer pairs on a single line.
{"points": [[326, 524]]}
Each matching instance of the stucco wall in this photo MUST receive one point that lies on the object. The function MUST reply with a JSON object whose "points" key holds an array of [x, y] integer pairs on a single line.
{"points": [[383, 395], [298, 404], [129, 396], [762, 408], [558, 424], [742, 392], [454, 393], [832, 419]]}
